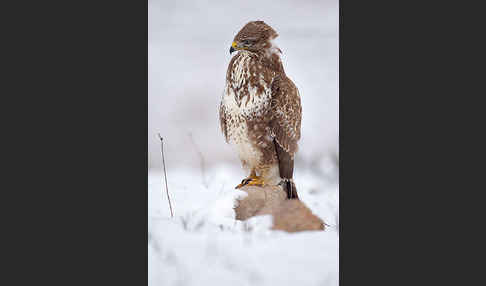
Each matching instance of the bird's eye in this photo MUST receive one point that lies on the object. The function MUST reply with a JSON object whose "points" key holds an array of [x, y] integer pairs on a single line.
{"points": [[246, 42]]}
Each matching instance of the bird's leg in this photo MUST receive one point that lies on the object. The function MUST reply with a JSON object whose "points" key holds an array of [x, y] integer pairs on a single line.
{"points": [[252, 180], [255, 180]]}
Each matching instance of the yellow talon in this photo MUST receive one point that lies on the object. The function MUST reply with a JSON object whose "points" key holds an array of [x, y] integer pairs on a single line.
{"points": [[252, 180], [256, 182]]}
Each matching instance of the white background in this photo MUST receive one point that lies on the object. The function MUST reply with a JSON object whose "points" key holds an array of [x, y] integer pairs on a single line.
{"points": [[188, 56]]}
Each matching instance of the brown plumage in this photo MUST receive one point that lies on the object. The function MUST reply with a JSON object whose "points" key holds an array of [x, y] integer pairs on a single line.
{"points": [[260, 111]]}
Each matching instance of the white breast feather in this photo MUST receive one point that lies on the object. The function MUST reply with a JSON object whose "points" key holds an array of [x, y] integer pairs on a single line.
{"points": [[238, 131]]}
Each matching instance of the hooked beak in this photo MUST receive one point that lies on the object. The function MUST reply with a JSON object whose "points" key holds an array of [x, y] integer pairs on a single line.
{"points": [[233, 47]]}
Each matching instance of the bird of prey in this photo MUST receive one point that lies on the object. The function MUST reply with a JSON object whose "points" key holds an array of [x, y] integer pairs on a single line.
{"points": [[260, 110]]}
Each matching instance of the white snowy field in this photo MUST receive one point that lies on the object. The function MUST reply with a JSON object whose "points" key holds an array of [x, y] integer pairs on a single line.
{"points": [[204, 245], [188, 54]]}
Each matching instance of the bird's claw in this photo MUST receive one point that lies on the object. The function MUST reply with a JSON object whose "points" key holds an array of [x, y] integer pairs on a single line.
{"points": [[251, 181]]}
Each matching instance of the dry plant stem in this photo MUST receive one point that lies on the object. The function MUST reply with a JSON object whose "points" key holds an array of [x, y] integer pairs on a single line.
{"points": [[165, 174]]}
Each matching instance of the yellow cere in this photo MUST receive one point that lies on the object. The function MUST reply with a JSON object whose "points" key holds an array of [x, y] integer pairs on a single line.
{"points": [[233, 44]]}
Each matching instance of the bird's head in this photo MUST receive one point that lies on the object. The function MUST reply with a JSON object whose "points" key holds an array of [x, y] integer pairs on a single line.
{"points": [[256, 36]]}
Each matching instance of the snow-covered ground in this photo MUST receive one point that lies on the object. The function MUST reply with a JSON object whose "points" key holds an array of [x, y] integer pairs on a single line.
{"points": [[188, 57], [204, 245]]}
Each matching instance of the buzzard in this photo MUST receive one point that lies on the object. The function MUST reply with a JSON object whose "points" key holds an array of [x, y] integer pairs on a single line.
{"points": [[260, 111]]}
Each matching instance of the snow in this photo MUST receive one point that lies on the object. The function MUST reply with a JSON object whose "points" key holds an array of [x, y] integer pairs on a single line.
{"points": [[188, 55], [204, 245]]}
